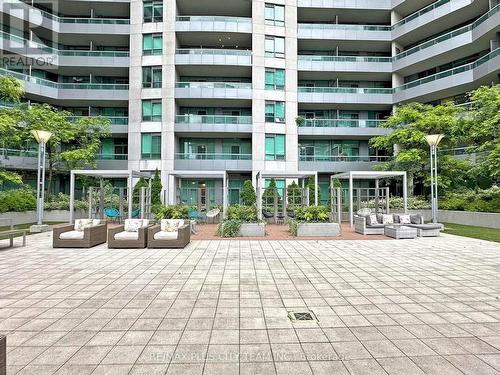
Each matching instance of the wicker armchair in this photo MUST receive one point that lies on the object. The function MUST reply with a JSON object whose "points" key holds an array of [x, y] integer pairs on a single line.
{"points": [[182, 240], [92, 236], [139, 243]]}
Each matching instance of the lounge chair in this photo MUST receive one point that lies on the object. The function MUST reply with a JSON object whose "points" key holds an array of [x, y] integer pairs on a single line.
{"points": [[170, 233], [84, 233], [133, 234]]}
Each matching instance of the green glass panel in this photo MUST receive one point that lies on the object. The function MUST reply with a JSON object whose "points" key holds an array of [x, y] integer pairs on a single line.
{"points": [[157, 42], [279, 45], [147, 42], [147, 108], [269, 12], [280, 144], [270, 77], [279, 13], [146, 145], [280, 110], [157, 109], [270, 148], [280, 77]]}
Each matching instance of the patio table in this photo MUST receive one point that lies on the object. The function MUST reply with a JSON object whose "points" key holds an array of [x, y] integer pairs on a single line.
{"points": [[400, 231]]}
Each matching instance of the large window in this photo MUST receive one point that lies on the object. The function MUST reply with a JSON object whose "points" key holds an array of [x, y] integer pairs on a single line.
{"points": [[153, 11], [275, 79], [150, 146], [275, 147], [151, 110], [275, 15], [275, 47], [275, 111], [151, 76], [152, 44]]}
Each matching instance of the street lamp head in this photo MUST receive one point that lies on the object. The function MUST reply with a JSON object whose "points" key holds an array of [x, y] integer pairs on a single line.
{"points": [[434, 139], [41, 136]]}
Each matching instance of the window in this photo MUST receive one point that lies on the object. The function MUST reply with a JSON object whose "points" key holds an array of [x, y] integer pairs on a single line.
{"points": [[151, 76], [275, 47], [152, 44], [275, 111], [275, 147], [151, 110], [150, 146], [153, 11], [275, 15], [275, 79]]}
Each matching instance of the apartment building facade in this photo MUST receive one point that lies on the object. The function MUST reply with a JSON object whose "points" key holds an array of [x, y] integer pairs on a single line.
{"points": [[245, 87]]}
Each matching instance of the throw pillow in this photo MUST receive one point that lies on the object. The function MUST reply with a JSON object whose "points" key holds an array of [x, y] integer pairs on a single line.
{"points": [[415, 219], [371, 220], [404, 219], [132, 225], [171, 225], [387, 219], [81, 224], [364, 212]]}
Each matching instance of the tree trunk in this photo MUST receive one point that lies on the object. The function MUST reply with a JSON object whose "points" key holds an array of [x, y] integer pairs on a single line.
{"points": [[411, 186], [49, 178]]}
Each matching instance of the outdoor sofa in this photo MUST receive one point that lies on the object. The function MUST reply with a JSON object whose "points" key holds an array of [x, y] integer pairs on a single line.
{"points": [[84, 233], [133, 234], [169, 233], [363, 224]]}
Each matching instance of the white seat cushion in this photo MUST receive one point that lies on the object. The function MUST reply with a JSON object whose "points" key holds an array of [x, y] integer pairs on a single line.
{"points": [[127, 235], [72, 235], [163, 235]]}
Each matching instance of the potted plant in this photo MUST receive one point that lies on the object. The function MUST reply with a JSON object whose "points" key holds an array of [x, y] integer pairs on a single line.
{"points": [[300, 121], [313, 221], [241, 221]]}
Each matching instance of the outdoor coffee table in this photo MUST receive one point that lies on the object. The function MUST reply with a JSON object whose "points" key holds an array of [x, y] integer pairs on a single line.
{"points": [[13, 233], [400, 231]]}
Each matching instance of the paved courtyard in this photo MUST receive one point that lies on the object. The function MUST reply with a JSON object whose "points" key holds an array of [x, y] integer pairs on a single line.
{"points": [[220, 307]]}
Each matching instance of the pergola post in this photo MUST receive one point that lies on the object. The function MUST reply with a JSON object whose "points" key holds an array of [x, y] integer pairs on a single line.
{"points": [[351, 216], [377, 193], [130, 195], [71, 196], [101, 198], [224, 196], [405, 193], [316, 188], [259, 195]]}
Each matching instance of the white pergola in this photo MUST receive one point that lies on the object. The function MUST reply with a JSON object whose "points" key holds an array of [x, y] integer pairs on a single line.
{"points": [[262, 176], [204, 174], [371, 175], [101, 174]]}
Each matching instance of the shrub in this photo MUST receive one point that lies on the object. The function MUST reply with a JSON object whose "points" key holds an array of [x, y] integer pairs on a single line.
{"points": [[245, 214], [487, 200], [171, 212], [294, 195], [156, 188], [293, 227], [312, 214], [247, 195], [18, 200], [229, 228], [61, 202]]}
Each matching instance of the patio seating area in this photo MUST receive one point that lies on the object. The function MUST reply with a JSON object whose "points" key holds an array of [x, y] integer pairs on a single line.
{"points": [[225, 307]]}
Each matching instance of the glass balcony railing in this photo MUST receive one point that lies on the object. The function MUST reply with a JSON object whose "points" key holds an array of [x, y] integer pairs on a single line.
{"points": [[447, 36], [214, 85], [62, 85], [340, 123], [344, 90], [112, 157], [212, 119], [7, 152], [339, 26], [343, 158], [450, 72], [212, 156], [115, 120], [61, 52], [421, 12], [213, 52], [344, 58], [246, 20]]}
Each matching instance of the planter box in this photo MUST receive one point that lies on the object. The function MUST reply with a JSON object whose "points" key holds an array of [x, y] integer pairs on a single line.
{"points": [[252, 230], [318, 230], [27, 217]]}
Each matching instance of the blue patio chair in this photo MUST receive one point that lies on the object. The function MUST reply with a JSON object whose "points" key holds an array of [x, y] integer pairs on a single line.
{"points": [[195, 215], [112, 213], [136, 213]]}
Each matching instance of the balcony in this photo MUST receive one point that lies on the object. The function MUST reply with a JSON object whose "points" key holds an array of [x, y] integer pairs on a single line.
{"points": [[335, 164], [213, 124], [453, 81], [18, 159], [213, 24], [119, 124], [324, 31], [56, 57], [365, 64], [112, 161], [76, 91], [214, 162], [346, 4], [345, 95], [201, 56], [342, 127], [69, 25], [449, 43], [213, 90]]}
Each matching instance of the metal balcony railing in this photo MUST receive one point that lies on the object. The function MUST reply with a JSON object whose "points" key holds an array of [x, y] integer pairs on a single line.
{"points": [[345, 90], [212, 119], [339, 26], [341, 123], [214, 85], [112, 157], [7, 152], [344, 58], [342, 158], [115, 120], [419, 13], [213, 51], [212, 156], [246, 20]]}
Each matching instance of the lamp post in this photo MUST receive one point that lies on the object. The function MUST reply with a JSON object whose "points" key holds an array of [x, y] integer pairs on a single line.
{"points": [[433, 141], [42, 137]]}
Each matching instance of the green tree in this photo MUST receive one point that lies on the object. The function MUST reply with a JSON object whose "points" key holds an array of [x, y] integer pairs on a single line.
{"points": [[11, 89], [247, 194], [156, 188], [269, 194], [294, 195], [312, 190]]}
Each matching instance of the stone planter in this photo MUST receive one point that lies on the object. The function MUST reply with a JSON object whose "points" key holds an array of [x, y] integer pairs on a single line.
{"points": [[27, 217], [318, 230], [252, 230]]}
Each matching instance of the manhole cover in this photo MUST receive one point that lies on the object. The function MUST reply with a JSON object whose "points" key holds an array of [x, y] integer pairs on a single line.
{"points": [[306, 315]]}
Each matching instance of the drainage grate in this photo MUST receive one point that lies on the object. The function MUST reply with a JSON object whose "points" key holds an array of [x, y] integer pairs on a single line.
{"points": [[307, 315]]}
